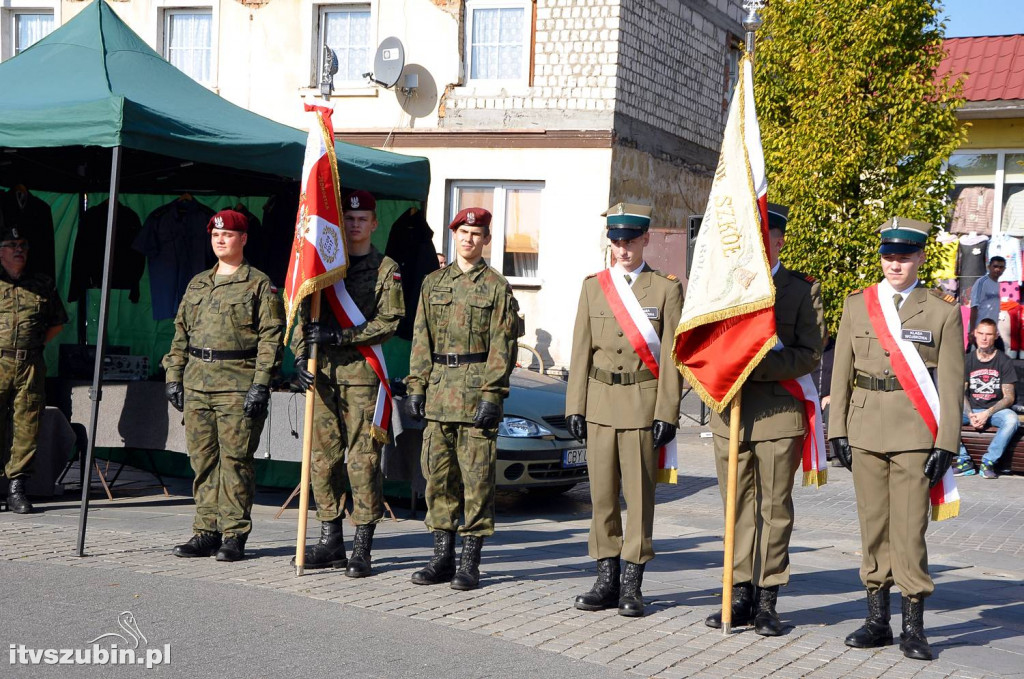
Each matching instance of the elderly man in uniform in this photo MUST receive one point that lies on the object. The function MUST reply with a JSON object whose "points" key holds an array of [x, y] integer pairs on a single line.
{"points": [[463, 348], [226, 349], [771, 436], [897, 392], [624, 406], [31, 314], [346, 445]]}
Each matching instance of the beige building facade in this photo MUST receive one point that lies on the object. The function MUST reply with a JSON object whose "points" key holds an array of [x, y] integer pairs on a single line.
{"points": [[544, 111]]}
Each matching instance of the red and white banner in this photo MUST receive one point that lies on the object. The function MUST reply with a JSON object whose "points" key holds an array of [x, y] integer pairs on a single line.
{"points": [[728, 319], [319, 257], [815, 459], [916, 381], [645, 342], [348, 314]]}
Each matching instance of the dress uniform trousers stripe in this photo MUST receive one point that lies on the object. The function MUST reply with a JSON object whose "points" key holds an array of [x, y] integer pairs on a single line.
{"points": [[893, 507], [627, 454]]}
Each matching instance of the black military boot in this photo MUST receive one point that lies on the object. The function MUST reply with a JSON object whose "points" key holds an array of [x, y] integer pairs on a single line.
{"points": [[201, 545], [631, 599], [233, 548], [605, 592], [359, 564], [875, 632], [766, 620], [17, 500], [329, 552], [468, 575], [913, 643], [442, 566], [742, 607]]}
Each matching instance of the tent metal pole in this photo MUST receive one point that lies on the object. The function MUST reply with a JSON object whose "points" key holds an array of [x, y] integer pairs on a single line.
{"points": [[96, 393]]}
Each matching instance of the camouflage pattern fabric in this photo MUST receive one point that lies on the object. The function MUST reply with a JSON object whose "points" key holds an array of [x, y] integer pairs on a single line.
{"points": [[29, 307], [458, 463], [226, 313], [463, 313], [346, 394], [240, 311], [221, 445]]}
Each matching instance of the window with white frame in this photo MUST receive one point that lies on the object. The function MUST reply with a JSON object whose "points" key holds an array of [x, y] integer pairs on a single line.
{"points": [[348, 30], [989, 192], [21, 27], [188, 42], [515, 208], [498, 40]]}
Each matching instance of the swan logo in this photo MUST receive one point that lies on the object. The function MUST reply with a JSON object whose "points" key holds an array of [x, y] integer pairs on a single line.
{"points": [[129, 646]]}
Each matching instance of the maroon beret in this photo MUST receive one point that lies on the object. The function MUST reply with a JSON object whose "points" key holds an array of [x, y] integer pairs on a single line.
{"points": [[471, 216], [228, 220], [360, 200]]}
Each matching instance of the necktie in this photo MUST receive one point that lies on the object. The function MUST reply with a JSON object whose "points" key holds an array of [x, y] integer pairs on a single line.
{"points": [[629, 279], [897, 299]]}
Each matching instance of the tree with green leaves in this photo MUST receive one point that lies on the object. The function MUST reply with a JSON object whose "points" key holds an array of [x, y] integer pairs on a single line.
{"points": [[855, 129]]}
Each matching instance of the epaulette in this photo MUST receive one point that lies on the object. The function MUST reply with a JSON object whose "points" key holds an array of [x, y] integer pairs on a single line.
{"points": [[592, 275], [944, 296], [804, 277], [664, 274], [856, 292]]}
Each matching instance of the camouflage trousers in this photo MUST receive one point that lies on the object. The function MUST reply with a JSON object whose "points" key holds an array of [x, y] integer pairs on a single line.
{"points": [[221, 442], [458, 462], [22, 401], [342, 419]]}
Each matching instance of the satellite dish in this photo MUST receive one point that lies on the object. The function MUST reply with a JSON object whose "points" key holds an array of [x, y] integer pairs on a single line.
{"points": [[388, 62]]}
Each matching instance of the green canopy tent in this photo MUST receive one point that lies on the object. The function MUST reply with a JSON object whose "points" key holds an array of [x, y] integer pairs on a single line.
{"points": [[93, 96]]}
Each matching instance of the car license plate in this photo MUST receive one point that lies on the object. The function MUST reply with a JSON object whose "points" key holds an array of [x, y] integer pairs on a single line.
{"points": [[574, 457]]}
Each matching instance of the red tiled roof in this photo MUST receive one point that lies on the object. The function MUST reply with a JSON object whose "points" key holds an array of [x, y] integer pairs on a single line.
{"points": [[994, 66]]}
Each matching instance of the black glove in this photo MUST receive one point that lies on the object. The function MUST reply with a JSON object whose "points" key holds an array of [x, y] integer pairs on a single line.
{"points": [[318, 333], [663, 433], [256, 401], [841, 449], [175, 393], [303, 377], [577, 425], [937, 464], [417, 406], [487, 415]]}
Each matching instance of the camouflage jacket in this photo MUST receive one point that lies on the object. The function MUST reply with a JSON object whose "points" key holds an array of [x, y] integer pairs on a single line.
{"points": [[376, 287], [463, 313], [241, 311], [29, 307]]}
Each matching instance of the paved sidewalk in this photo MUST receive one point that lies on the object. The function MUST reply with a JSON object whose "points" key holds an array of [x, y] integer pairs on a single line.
{"points": [[537, 563]]}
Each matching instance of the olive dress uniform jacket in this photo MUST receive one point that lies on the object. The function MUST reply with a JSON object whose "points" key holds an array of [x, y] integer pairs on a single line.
{"points": [[598, 342], [886, 421], [767, 410]]}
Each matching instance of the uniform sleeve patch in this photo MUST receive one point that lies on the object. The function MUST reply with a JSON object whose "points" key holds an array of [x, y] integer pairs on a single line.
{"points": [[397, 276]]}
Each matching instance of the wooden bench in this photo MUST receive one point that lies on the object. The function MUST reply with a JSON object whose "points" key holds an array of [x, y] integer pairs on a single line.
{"points": [[976, 443]]}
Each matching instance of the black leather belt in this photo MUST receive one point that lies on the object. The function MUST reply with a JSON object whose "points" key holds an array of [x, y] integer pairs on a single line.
{"points": [[218, 355], [455, 360], [16, 354], [609, 377], [877, 383]]}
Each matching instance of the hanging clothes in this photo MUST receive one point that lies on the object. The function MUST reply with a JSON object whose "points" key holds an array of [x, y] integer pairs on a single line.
{"points": [[411, 245], [33, 218], [90, 247], [279, 228], [1008, 248], [1013, 214], [971, 262], [177, 247], [973, 211]]}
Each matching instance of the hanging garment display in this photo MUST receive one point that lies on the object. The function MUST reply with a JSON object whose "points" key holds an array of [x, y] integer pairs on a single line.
{"points": [[973, 211], [1008, 248], [32, 217], [1013, 212], [971, 262], [411, 245], [90, 247], [1008, 327]]}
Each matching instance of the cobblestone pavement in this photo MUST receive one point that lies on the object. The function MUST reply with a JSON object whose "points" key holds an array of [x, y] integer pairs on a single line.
{"points": [[537, 563]]}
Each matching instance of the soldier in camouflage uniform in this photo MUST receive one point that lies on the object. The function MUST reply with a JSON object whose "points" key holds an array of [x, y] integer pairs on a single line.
{"points": [[346, 395], [462, 351], [226, 348], [31, 314]]}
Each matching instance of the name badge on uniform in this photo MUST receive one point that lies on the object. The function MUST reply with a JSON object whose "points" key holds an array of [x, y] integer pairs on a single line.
{"points": [[923, 336], [651, 312]]}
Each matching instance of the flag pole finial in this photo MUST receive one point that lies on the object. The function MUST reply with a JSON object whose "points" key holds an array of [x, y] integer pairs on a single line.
{"points": [[752, 22]]}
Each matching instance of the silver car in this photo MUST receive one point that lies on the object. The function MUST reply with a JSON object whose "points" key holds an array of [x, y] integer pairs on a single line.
{"points": [[535, 450]]}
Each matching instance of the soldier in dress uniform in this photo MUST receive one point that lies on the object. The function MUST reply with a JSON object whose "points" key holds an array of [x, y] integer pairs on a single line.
{"points": [[878, 428], [770, 445], [226, 349], [31, 314], [623, 409], [346, 394], [463, 348]]}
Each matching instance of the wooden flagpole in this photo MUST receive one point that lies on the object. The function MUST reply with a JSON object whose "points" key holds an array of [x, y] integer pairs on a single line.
{"points": [[307, 446], [730, 512]]}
